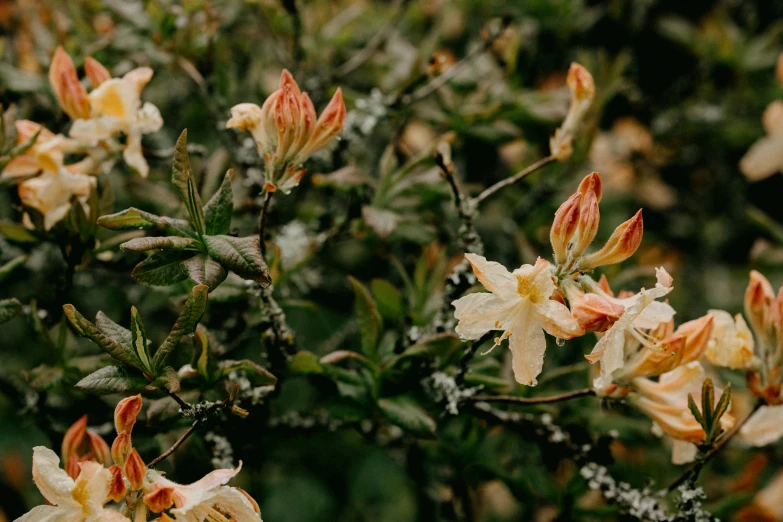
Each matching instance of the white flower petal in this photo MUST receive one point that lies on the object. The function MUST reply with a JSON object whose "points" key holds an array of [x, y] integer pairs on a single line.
{"points": [[50, 514], [764, 158], [481, 312], [109, 515], [133, 155], [764, 427], [148, 119], [53, 482], [557, 320], [97, 129], [92, 488], [683, 452], [492, 275], [528, 345]]}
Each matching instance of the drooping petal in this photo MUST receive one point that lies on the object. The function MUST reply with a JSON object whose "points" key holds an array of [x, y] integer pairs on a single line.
{"points": [[494, 276], [133, 155], [52, 481], [557, 320], [683, 452], [481, 312], [764, 427], [528, 345]]}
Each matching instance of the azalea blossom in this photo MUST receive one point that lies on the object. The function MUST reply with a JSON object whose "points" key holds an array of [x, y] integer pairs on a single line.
{"points": [[519, 304], [206, 499], [764, 427], [286, 131], [642, 311], [732, 343], [765, 156], [79, 500]]}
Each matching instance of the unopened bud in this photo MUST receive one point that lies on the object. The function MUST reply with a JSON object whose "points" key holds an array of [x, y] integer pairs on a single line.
{"points": [[125, 413], [580, 83], [65, 84], [73, 466], [73, 441], [589, 217], [161, 498], [117, 489], [95, 71], [563, 227], [99, 450], [758, 299], [135, 469], [593, 312], [621, 245], [239, 412], [591, 183], [121, 448]]}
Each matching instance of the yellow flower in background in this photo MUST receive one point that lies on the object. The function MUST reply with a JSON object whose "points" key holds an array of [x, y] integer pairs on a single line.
{"points": [[765, 157]]}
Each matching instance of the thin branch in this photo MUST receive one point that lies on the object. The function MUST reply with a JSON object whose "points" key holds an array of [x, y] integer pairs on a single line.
{"points": [[182, 404], [262, 219], [174, 447], [534, 400], [513, 179], [693, 473], [374, 43]]}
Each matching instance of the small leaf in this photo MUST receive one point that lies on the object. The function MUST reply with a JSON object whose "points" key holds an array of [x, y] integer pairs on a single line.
{"points": [[168, 380], [116, 332], [305, 363], [162, 268], [139, 339], [133, 219], [182, 178], [9, 267], [695, 410], [345, 355], [408, 415], [204, 270], [16, 233], [241, 255], [142, 244], [86, 329], [9, 308], [186, 323], [203, 360], [218, 210], [258, 375], [389, 299], [111, 379], [45, 377], [370, 322]]}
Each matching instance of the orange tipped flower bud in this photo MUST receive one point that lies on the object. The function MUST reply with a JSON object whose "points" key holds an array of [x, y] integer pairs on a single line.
{"points": [[758, 301], [73, 442], [96, 72], [580, 82], [117, 487], [125, 413], [162, 497], [593, 312], [592, 183], [121, 448], [99, 450], [135, 469], [564, 226], [65, 84], [73, 466], [621, 245], [589, 217], [329, 125]]}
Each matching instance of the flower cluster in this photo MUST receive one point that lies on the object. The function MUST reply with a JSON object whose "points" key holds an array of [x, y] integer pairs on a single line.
{"points": [[81, 491]]}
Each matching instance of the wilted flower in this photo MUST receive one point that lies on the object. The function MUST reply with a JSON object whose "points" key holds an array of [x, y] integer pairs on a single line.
{"points": [[286, 131], [765, 157], [520, 305], [79, 500], [580, 83]]}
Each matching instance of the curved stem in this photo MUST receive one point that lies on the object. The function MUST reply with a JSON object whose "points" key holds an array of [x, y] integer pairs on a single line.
{"points": [[174, 447], [513, 179], [534, 400]]}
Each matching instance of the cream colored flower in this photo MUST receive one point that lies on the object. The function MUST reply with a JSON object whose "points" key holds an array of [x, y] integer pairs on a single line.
{"points": [[518, 304], [732, 342], [642, 311], [764, 427], [206, 499], [79, 500], [765, 157], [115, 107]]}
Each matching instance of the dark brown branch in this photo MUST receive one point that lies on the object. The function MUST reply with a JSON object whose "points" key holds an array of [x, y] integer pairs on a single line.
{"points": [[262, 221], [513, 179], [174, 447], [534, 400]]}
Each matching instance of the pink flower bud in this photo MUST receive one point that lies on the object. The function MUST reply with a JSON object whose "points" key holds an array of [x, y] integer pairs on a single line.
{"points": [[758, 301], [591, 183], [65, 84], [117, 489], [95, 71], [621, 245], [73, 442], [125, 413], [564, 226], [121, 448], [589, 216], [134, 470]]}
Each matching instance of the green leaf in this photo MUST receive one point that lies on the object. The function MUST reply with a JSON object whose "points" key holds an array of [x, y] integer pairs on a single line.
{"points": [[9, 308], [86, 329], [204, 270], [186, 323], [9, 267], [408, 415], [116, 332], [139, 339], [218, 210], [695, 410], [241, 255], [162, 268], [133, 219], [16, 233], [203, 360], [258, 375], [45, 377], [370, 322], [111, 379], [168, 380], [182, 178], [142, 244], [305, 363], [390, 302], [346, 355]]}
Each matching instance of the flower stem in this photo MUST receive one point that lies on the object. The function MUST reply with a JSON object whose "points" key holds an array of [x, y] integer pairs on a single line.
{"points": [[534, 400], [513, 179], [174, 447]]}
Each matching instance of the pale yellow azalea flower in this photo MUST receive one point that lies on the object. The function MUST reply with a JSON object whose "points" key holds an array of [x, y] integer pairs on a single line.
{"points": [[519, 305], [764, 427], [79, 500], [732, 343], [765, 157]]}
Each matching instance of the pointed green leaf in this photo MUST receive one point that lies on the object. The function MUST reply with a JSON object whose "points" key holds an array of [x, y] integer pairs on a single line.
{"points": [[707, 403], [133, 219], [168, 379], [162, 268], [218, 210], [258, 375], [305, 363], [139, 339], [390, 302], [7, 268], [204, 270], [182, 178], [111, 379], [86, 329], [186, 323], [695, 410], [241, 255], [370, 322], [142, 244], [9, 308], [408, 415], [116, 332], [16, 233], [203, 360]]}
